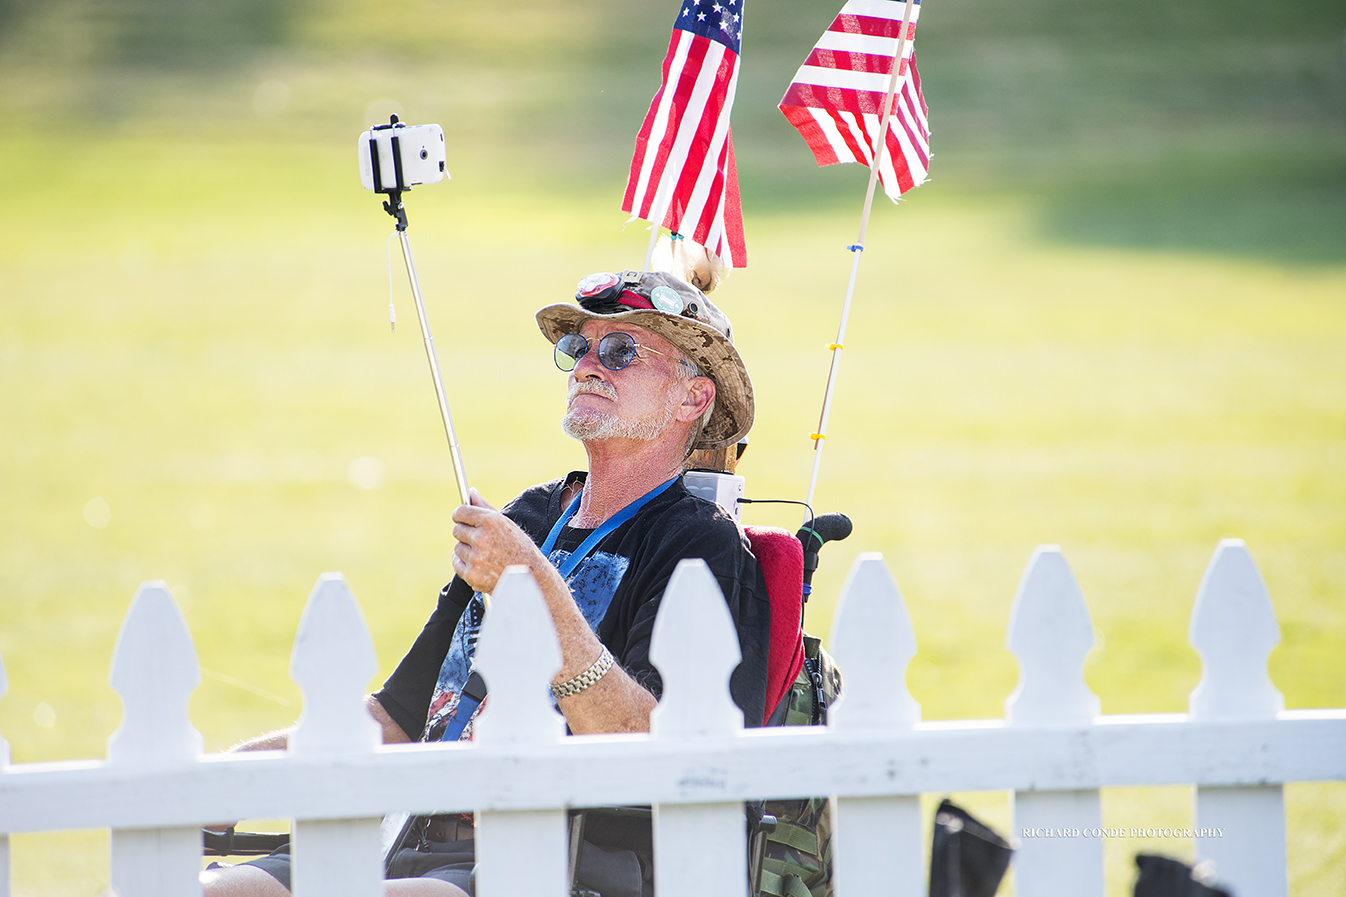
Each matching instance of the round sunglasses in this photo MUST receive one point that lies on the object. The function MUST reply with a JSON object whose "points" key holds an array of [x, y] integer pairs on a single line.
{"points": [[615, 351]]}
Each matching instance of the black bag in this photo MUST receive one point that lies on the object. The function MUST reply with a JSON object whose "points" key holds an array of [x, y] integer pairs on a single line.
{"points": [[1162, 876], [967, 858]]}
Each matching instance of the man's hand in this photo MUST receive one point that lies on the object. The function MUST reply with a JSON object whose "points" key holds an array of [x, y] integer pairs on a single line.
{"points": [[488, 542]]}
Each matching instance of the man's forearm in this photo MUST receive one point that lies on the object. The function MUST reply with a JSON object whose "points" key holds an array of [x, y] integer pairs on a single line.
{"points": [[280, 739], [616, 702], [392, 732]]}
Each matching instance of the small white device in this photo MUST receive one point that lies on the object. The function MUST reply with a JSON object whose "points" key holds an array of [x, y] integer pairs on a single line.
{"points": [[725, 489], [396, 156]]}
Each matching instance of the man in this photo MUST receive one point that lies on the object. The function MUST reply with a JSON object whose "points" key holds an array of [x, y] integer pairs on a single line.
{"points": [[653, 376]]}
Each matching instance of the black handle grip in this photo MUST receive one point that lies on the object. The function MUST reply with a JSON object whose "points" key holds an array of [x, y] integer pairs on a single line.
{"points": [[816, 533], [823, 529]]}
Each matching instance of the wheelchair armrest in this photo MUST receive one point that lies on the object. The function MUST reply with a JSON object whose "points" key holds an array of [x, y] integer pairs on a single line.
{"points": [[230, 843]]}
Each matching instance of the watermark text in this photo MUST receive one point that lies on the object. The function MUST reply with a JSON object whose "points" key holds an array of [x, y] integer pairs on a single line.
{"points": [[1121, 833]]}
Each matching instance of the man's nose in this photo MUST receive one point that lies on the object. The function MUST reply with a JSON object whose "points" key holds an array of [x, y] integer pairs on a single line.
{"points": [[588, 367]]}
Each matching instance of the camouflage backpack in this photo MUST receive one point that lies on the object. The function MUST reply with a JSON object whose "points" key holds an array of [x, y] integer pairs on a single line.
{"points": [[798, 860]]}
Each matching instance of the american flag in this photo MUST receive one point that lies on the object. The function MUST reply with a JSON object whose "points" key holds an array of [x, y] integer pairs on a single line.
{"points": [[837, 95], [682, 173]]}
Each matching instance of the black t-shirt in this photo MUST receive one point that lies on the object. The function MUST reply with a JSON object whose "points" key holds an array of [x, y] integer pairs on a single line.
{"points": [[639, 556]]}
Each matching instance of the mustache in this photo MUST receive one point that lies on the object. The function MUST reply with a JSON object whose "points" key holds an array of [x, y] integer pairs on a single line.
{"points": [[597, 387]]}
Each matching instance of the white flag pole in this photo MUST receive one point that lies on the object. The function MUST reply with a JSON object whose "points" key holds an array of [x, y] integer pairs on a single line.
{"points": [[879, 154], [654, 238]]}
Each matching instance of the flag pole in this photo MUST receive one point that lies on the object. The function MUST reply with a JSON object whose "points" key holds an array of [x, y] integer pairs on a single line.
{"points": [[662, 201], [654, 238], [880, 147]]}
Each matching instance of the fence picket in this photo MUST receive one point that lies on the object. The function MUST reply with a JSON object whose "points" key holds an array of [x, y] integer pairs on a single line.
{"points": [[873, 641], [1248, 852], [332, 662], [4, 761], [878, 839], [522, 853], [699, 849], [1058, 857], [519, 851], [877, 847], [4, 745], [695, 647], [1051, 633], [156, 862], [1234, 629], [518, 654], [154, 671], [336, 858]]}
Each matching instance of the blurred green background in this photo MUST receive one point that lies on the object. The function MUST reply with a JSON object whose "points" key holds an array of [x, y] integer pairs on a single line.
{"points": [[1115, 319]]}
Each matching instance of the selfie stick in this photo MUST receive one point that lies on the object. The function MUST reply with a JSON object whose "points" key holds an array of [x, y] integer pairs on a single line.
{"points": [[394, 207]]}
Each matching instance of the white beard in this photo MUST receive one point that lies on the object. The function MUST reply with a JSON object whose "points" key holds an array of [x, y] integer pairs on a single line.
{"points": [[588, 424]]}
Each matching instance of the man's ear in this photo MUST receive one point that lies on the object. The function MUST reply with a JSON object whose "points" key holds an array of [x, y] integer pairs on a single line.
{"points": [[700, 393]]}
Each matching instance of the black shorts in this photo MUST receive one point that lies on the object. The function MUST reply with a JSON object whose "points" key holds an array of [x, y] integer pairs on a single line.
{"points": [[451, 862]]}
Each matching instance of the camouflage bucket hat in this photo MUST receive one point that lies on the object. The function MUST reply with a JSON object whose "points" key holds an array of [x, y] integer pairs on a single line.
{"points": [[680, 313]]}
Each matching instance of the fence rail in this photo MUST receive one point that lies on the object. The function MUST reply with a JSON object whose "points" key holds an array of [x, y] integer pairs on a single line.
{"points": [[1053, 751]]}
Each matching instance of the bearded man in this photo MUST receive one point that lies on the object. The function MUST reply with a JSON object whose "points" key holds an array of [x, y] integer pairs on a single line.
{"points": [[654, 375]]}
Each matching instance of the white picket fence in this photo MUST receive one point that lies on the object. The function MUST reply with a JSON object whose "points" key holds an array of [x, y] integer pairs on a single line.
{"points": [[1053, 751]]}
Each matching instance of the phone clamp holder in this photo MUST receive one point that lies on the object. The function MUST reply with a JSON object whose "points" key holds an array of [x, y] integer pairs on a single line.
{"points": [[393, 205]]}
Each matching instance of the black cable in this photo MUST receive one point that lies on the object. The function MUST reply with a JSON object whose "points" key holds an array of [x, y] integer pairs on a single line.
{"points": [[777, 501]]}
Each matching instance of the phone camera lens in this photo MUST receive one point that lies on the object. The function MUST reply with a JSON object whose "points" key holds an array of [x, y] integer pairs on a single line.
{"points": [[424, 155]]}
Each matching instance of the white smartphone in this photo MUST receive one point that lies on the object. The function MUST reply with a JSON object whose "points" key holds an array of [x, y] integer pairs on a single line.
{"points": [[399, 156]]}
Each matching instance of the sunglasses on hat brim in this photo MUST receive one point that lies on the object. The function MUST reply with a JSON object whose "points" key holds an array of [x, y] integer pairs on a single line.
{"points": [[606, 293]]}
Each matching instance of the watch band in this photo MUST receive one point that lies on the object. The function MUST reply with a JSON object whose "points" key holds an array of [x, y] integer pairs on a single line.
{"points": [[596, 671]]}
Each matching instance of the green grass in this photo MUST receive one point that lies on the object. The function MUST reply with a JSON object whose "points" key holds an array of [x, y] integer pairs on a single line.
{"points": [[1113, 321]]}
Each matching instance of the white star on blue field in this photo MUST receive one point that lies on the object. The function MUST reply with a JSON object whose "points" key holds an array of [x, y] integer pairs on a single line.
{"points": [[718, 20]]}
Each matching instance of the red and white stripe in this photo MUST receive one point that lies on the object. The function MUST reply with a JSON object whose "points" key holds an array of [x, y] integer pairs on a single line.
{"points": [[836, 97], [682, 173]]}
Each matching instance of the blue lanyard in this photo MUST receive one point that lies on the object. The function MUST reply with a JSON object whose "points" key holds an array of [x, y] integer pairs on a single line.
{"points": [[588, 545]]}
